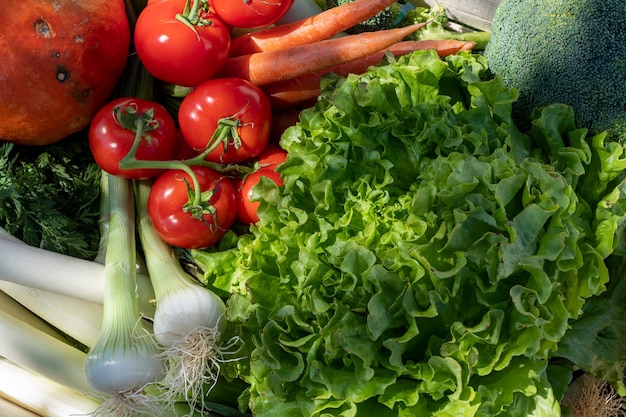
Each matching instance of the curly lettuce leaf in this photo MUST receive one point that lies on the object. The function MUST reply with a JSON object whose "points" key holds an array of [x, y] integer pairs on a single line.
{"points": [[595, 342]]}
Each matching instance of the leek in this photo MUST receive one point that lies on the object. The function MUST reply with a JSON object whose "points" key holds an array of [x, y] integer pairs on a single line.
{"points": [[9, 306], [124, 360], [79, 278], [188, 316], [41, 352], [42, 373], [58, 273], [79, 319], [41, 395]]}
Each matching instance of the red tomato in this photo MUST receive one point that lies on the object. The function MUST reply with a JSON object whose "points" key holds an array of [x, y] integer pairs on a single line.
{"points": [[271, 156], [246, 208], [251, 13], [177, 227], [183, 150], [175, 52], [111, 137], [235, 106]]}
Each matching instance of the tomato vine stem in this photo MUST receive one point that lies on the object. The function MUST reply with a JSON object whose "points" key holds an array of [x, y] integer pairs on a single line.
{"points": [[141, 125], [227, 128], [192, 15]]}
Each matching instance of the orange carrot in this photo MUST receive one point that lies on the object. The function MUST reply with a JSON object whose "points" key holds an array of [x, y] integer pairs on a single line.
{"points": [[266, 67], [312, 29], [303, 89], [294, 92], [443, 47]]}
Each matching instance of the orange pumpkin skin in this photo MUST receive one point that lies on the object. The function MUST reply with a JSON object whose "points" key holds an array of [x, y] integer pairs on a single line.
{"points": [[59, 62]]}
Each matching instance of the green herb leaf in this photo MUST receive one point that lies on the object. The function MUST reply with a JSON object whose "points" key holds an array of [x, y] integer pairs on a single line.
{"points": [[49, 196]]}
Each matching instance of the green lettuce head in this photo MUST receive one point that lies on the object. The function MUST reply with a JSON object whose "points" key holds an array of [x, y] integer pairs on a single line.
{"points": [[424, 257]]}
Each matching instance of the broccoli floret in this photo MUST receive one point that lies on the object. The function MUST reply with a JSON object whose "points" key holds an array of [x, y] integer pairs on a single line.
{"points": [[410, 15], [563, 51]]}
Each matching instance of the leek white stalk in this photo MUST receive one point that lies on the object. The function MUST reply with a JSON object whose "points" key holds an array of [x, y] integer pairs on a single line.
{"points": [[41, 395], [12, 308], [187, 318], [39, 370], [39, 268], [75, 317], [41, 352], [124, 360], [44, 374], [50, 271]]}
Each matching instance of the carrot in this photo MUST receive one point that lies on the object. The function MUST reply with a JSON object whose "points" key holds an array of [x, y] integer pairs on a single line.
{"points": [[443, 47], [266, 67], [293, 93], [303, 89], [312, 29]]}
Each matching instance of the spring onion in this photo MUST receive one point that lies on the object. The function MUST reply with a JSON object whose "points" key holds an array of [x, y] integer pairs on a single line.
{"points": [[188, 316], [124, 360]]}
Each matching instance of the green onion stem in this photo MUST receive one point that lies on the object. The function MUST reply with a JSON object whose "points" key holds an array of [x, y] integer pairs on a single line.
{"points": [[188, 316]]}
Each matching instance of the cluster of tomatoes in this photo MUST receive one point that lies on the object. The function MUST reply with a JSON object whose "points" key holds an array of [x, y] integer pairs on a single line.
{"points": [[222, 137], [223, 122]]}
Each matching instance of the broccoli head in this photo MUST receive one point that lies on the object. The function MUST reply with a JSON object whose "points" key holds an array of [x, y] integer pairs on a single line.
{"points": [[563, 51]]}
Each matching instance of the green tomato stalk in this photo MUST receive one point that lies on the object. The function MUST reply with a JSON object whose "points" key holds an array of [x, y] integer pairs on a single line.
{"points": [[193, 14], [143, 123]]}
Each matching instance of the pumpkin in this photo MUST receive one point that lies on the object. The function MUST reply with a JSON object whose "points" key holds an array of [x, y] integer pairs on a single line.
{"points": [[60, 60]]}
